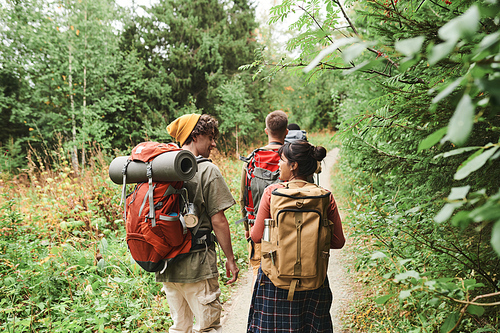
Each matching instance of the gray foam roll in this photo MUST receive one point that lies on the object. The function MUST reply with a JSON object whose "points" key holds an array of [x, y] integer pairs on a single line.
{"points": [[179, 165]]}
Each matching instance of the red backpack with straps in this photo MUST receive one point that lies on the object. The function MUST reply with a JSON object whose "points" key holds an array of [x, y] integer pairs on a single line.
{"points": [[262, 170], [156, 231]]}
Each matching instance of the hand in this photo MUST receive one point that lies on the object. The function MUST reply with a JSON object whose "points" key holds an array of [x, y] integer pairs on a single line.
{"points": [[247, 234], [231, 268]]}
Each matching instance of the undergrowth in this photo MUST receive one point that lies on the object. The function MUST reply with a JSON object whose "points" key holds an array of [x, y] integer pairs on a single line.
{"points": [[64, 263], [416, 275]]}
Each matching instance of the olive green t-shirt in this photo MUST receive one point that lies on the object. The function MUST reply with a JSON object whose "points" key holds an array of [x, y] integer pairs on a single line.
{"points": [[210, 194]]}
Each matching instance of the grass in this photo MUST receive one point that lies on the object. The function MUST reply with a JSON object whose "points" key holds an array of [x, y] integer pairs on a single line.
{"points": [[326, 139]]}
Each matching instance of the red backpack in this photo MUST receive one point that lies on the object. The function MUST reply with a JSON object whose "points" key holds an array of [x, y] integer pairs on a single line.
{"points": [[156, 230], [262, 170]]}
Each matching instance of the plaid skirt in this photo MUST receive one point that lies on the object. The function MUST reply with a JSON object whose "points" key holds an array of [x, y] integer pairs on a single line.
{"points": [[270, 310]]}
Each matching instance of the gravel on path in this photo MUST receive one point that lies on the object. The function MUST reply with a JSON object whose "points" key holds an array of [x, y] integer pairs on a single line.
{"points": [[235, 311]]}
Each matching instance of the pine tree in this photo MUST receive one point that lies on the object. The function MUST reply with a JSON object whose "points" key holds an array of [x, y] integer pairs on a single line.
{"points": [[190, 48]]}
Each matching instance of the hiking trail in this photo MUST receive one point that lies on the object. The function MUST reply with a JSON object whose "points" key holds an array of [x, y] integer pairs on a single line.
{"points": [[235, 310]]}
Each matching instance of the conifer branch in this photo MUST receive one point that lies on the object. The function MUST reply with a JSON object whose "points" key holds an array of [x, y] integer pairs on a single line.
{"points": [[380, 151]]}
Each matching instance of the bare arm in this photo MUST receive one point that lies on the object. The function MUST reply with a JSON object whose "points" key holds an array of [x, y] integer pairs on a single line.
{"points": [[263, 213], [221, 229], [338, 238]]}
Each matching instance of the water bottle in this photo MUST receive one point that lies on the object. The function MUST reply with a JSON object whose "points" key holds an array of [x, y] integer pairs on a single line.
{"points": [[267, 230]]}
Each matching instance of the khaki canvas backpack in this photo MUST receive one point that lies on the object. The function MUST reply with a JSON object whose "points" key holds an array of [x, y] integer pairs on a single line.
{"points": [[296, 257]]}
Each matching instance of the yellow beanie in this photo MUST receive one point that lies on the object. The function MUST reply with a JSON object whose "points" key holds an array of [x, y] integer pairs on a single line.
{"points": [[181, 128]]}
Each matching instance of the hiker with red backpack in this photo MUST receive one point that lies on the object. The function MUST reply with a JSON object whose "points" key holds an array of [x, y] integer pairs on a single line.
{"points": [[190, 281], [297, 224], [260, 171]]}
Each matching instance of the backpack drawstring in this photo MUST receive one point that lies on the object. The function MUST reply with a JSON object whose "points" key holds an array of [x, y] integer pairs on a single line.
{"points": [[164, 267]]}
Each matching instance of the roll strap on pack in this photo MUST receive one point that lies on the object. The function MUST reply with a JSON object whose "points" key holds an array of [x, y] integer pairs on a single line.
{"points": [[124, 189], [151, 216]]}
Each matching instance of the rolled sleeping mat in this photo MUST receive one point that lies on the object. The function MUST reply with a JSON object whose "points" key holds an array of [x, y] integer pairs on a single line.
{"points": [[177, 165]]}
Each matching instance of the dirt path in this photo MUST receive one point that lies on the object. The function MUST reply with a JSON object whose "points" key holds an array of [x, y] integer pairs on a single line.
{"points": [[235, 312]]}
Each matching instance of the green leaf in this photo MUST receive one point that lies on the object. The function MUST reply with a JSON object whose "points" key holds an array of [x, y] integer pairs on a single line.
{"points": [[440, 51], [82, 262], [382, 300], [407, 63], [413, 210], [495, 237], [490, 211], [410, 47], [365, 65], [475, 310], [492, 86], [332, 48], [103, 245], [461, 122], [478, 72], [462, 26], [483, 47], [404, 294], [450, 322], [432, 139], [446, 212], [55, 250], [471, 157], [475, 163], [434, 301], [448, 90], [101, 264], [460, 151], [458, 193], [461, 219], [406, 275], [402, 262], [353, 51], [472, 284], [378, 255]]}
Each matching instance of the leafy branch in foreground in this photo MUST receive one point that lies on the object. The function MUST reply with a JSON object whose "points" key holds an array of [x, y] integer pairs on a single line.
{"points": [[433, 64]]}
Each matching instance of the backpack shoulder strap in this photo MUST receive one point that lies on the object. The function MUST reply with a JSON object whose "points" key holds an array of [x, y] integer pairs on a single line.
{"points": [[200, 159], [255, 151], [249, 157]]}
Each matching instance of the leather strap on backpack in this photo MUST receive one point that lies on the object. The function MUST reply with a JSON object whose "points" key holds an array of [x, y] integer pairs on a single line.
{"points": [[291, 291]]}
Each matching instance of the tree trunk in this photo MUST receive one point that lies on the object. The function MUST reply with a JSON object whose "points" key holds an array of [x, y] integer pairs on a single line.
{"points": [[237, 145], [74, 152], [84, 91]]}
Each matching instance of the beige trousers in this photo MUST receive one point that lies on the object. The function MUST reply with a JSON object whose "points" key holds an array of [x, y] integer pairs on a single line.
{"points": [[200, 299]]}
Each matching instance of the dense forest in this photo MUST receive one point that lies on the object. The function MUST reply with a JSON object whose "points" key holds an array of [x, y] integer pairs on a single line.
{"points": [[410, 87]]}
